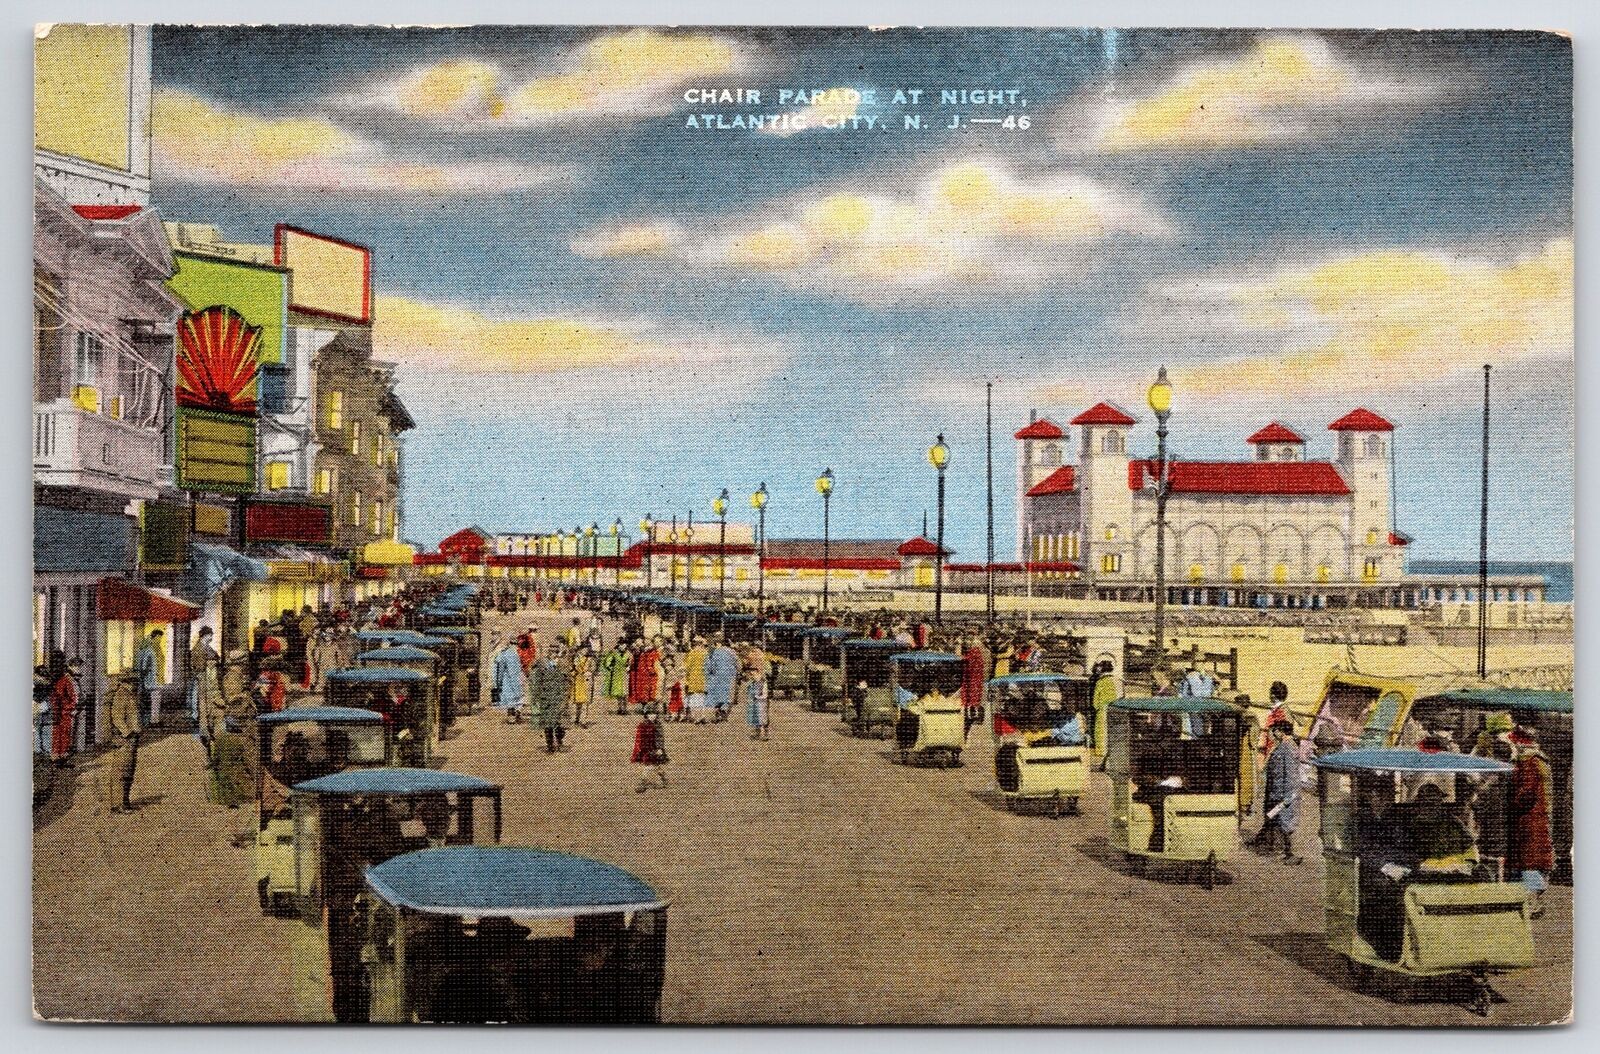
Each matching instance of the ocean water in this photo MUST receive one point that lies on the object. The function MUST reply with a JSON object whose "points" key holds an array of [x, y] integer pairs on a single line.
{"points": [[1557, 574]]}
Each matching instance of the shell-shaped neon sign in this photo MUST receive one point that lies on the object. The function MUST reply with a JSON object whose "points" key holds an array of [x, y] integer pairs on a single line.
{"points": [[217, 361]]}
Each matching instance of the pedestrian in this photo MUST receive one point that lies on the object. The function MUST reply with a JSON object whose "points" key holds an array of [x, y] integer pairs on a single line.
{"points": [[694, 678], [147, 670], [324, 657], [722, 671], [123, 713], [232, 753], [203, 662], [650, 748], [1003, 654], [573, 635], [671, 685], [1197, 684], [1281, 802], [644, 681], [304, 674], [64, 710], [510, 682], [614, 676], [549, 688], [582, 669], [1530, 853], [974, 668], [757, 714]]}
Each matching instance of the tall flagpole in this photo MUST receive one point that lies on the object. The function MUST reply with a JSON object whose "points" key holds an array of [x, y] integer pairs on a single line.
{"points": [[1483, 541], [988, 439]]}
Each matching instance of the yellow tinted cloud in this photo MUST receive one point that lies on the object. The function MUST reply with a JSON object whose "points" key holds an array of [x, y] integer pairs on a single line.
{"points": [[195, 140], [1261, 96], [634, 239], [450, 337], [1390, 317], [968, 224], [617, 74]]}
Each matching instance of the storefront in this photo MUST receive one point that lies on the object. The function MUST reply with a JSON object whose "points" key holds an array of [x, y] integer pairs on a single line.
{"points": [[128, 614]]}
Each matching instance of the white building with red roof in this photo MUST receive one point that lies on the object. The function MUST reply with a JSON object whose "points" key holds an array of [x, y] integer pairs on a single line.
{"points": [[1276, 518]]}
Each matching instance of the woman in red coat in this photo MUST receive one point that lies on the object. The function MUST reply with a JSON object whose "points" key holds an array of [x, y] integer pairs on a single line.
{"points": [[643, 676], [63, 709], [1529, 854], [973, 674]]}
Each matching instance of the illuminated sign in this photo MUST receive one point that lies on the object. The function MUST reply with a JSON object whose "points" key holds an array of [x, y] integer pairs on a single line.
{"points": [[217, 363], [82, 91], [329, 277], [288, 521], [216, 451], [258, 292]]}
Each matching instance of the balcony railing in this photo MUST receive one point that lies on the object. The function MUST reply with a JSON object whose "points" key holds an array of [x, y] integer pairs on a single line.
{"points": [[73, 447]]}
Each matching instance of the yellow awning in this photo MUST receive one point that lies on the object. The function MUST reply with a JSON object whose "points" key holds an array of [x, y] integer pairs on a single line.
{"points": [[388, 554]]}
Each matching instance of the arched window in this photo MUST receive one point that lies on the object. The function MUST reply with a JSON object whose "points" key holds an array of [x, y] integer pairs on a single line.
{"points": [[1052, 454], [1111, 443], [1372, 446]]}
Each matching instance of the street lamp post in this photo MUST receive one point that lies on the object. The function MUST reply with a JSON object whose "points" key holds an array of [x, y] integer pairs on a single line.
{"points": [[561, 551], [616, 552], [647, 537], [688, 563], [758, 502], [720, 507], [825, 488], [594, 553], [577, 554], [1160, 399], [939, 458], [672, 556]]}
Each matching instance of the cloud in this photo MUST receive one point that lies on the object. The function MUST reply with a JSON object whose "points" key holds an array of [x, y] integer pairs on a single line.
{"points": [[1283, 88], [1380, 321], [616, 75], [832, 106], [492, 359], [969, 226], [656, 238], [195, 140]]}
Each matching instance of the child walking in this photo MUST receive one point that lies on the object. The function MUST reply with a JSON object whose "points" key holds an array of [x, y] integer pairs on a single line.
{"points": [[650, 748]]}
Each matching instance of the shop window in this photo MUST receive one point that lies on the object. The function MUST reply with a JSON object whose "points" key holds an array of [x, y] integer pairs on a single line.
{"points": [[1369, 568], [335, 403], [277, 475], [1111, 563]]}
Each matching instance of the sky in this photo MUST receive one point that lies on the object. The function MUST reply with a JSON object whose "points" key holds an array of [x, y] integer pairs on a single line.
{"points": [[607, 301]]}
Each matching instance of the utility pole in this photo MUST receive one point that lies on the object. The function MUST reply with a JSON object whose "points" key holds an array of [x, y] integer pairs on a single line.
{"points": [[1483, 540], [988, 443]]}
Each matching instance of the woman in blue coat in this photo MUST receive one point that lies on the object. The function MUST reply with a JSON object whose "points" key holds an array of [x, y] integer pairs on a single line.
{"points": [[508, 683]]}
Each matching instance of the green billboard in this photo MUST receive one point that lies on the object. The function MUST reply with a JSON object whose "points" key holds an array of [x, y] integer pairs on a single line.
{"points": [[259, 292]]}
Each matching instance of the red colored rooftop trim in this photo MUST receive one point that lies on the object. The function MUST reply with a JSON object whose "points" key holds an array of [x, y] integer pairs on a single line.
{"points": [[1063, 480], [1276, 433], [1103, 414], [1043, 428], [1361, 420], [1399, 538], [1312, 478], [919, 547], [105, 212]]}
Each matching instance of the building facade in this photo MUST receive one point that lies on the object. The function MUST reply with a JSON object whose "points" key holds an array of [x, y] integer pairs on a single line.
{"points": [[1275, 518], [109, 528]]}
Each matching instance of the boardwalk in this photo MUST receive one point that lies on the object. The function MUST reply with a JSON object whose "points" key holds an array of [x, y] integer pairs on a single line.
{"points": [[811, 880]]}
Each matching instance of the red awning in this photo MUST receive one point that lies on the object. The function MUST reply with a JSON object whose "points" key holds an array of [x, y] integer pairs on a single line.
{"points": [[118, 600]]}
